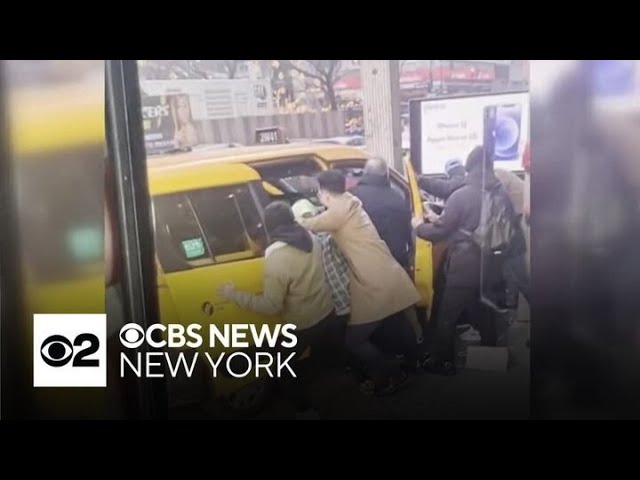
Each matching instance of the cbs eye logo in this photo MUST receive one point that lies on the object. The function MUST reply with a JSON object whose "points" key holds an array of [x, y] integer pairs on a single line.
{"points": [[132, 335], [57, 350], [69, 350]]}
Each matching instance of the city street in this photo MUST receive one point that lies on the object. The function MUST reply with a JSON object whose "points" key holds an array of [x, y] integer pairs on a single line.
{"points": [[472, 394]]}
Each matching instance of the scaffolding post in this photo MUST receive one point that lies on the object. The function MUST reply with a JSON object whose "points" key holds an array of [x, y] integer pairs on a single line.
{"points": [[381, 103]]}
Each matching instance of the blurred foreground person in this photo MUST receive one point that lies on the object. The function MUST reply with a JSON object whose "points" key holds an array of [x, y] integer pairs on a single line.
{"points": [[587, 225], [294, 285], [380, 288]]}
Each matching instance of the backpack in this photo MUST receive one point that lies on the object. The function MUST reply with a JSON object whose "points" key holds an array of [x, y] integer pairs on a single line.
{"points": [[497, 230], [497, 238]]}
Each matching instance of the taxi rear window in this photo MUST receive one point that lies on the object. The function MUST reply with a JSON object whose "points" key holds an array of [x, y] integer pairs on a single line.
{"points": [[207, 226]]}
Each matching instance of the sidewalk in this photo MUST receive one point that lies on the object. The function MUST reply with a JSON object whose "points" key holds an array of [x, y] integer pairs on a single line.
{"points": [[471, 394]]}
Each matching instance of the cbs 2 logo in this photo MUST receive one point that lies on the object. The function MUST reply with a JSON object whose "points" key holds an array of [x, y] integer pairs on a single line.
{"points": [[57, 350]]}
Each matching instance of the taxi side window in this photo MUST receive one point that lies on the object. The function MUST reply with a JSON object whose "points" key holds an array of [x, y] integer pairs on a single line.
{"points": [[206, 227], [230, 220], [179, 237]]}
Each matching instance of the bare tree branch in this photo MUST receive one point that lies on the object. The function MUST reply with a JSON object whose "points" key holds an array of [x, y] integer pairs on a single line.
{"points": [[325, 71], [232, 67], [304, 71]]}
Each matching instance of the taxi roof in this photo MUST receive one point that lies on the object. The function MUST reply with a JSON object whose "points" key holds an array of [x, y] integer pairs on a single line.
{"points": [[258, 153], [207, 167], [179, 178]]}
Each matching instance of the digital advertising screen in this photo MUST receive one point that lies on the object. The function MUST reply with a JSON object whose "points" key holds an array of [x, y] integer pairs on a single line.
{"points": [[449, 128]]}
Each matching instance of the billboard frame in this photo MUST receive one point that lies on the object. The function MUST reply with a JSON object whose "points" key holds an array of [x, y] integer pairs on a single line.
{"points": [[415, 121]]}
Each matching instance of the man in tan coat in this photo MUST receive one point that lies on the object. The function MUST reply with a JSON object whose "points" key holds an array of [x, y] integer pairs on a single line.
{"points": [[380, 288]]}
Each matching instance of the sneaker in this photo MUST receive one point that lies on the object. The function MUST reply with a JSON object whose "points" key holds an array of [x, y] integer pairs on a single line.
{"points": [[440, 368], [368, 387], [424, 358], [460, 329], [416, 367], [470, 336], [392, 385]]}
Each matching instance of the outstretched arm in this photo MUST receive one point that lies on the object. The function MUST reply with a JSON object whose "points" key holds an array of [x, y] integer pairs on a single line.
{"points": [[328, 221]]}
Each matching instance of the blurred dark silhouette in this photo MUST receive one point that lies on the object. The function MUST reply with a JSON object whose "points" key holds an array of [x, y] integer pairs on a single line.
{"points": [[585, 257]]}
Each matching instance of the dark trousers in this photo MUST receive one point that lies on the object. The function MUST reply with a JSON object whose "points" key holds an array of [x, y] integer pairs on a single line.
{"points": [[449, 306], [307, 369], [396, 336], [517, 279], [334, 344], [362, 346]]}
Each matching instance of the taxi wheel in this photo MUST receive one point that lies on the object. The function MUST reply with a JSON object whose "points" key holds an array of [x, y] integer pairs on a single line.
{"points": [[249, 400]]}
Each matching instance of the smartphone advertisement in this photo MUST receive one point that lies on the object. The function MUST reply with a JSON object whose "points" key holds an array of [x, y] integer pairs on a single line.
{"points": [[450, 128]]}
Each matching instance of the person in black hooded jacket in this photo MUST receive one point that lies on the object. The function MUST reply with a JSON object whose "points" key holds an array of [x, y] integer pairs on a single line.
{"points": [[390, 213], [388, 210], [459, 289]]}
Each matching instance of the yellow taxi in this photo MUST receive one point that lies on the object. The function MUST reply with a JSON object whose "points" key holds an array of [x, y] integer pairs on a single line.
{"points": [[207, 209], [275, 172]]}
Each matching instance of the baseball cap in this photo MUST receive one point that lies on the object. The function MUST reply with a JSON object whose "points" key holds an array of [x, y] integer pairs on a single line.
{"points": [[451, 164], [304, 209]]}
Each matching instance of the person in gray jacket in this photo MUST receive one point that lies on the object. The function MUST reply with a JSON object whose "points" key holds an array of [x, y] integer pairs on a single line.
{"points": [[460, 288]]}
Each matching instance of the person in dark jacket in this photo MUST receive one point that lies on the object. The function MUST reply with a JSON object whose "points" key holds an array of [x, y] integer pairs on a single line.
{"points": [[444, 187], [390, 213], [388, 210], [459, 291]]}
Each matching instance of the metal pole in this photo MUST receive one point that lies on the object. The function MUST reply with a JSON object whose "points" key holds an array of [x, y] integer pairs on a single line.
{"points": [[381, 105], [125, 137], [15, 399], [430, 76]]}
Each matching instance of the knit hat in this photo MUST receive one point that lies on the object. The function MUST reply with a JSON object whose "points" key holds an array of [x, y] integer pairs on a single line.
{"points": [[452, 164]]}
